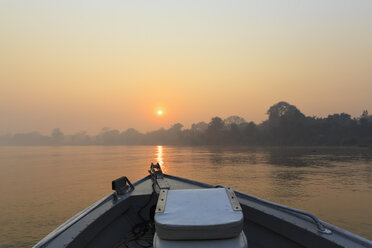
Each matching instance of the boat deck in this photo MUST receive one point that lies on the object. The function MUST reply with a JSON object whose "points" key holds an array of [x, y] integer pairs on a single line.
{"points": [[127, 221]]}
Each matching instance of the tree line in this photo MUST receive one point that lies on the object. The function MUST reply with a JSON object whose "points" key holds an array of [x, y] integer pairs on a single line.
{"points": [[285, 126]]}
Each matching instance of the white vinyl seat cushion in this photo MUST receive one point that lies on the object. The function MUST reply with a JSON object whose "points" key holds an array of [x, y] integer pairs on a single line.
{"points": [[238, 242], [197, 214]]}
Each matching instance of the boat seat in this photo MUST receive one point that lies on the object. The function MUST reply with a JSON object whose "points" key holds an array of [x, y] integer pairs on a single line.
{"points": [[198, 214], [237, 242]]}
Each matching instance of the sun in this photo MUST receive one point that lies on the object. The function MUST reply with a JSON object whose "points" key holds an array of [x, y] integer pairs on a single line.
{"points": [[160, 112]]}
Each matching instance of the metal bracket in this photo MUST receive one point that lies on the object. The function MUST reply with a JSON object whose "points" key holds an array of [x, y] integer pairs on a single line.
{"points": [[233, 199], [122, 185], [160, 206], [158, 177]]}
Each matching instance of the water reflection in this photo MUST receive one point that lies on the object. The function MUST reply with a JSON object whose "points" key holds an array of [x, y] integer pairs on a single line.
{"points": [[159, 158], [287, 156], [333, 183]]}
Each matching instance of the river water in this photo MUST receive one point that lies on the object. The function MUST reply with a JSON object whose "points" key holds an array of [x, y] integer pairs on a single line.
{"points": [[41, 187]]}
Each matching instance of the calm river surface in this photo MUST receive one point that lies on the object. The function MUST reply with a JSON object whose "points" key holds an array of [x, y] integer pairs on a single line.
{"points": [[41, 187]]}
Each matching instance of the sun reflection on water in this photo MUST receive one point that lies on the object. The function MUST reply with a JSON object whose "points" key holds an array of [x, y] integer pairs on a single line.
{"points": [[159, 158]]}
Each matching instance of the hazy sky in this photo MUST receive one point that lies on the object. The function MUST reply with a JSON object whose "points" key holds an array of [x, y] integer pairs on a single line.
{"points": [[84, 65]]}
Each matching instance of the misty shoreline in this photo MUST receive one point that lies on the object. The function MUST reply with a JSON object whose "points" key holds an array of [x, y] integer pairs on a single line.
{"points": [[285, 126]]}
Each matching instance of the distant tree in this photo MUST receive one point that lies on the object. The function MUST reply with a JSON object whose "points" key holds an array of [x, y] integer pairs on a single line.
{"points": [[80, 138], [174, 134], [214, 132], [234, 134], [57, 136], [365, 114], [234, 119], [199, 127], [286, 125], [157, 137], [131, 137], [364, 118], [250, 133], [216, 124], [284, 110], [30, 139], [176, 128], [195, 135], [365, 131], [108, 137], [340, 118]]}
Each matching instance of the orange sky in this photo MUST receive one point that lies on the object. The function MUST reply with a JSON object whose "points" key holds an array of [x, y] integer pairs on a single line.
{"points": [[87, 65]]}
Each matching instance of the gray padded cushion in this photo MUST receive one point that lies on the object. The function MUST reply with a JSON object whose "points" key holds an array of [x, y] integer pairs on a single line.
{"points": [[237, 242], [195, 214]]}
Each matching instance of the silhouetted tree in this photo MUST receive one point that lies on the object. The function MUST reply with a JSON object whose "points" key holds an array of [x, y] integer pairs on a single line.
{"points": [[57, 136], [284, 110], [80, 138], [234, 119], [108, 137], [234, 134], [132, 137], [250, 134], [215, 130], [364, 118], [286, 125], [199, 127]]}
